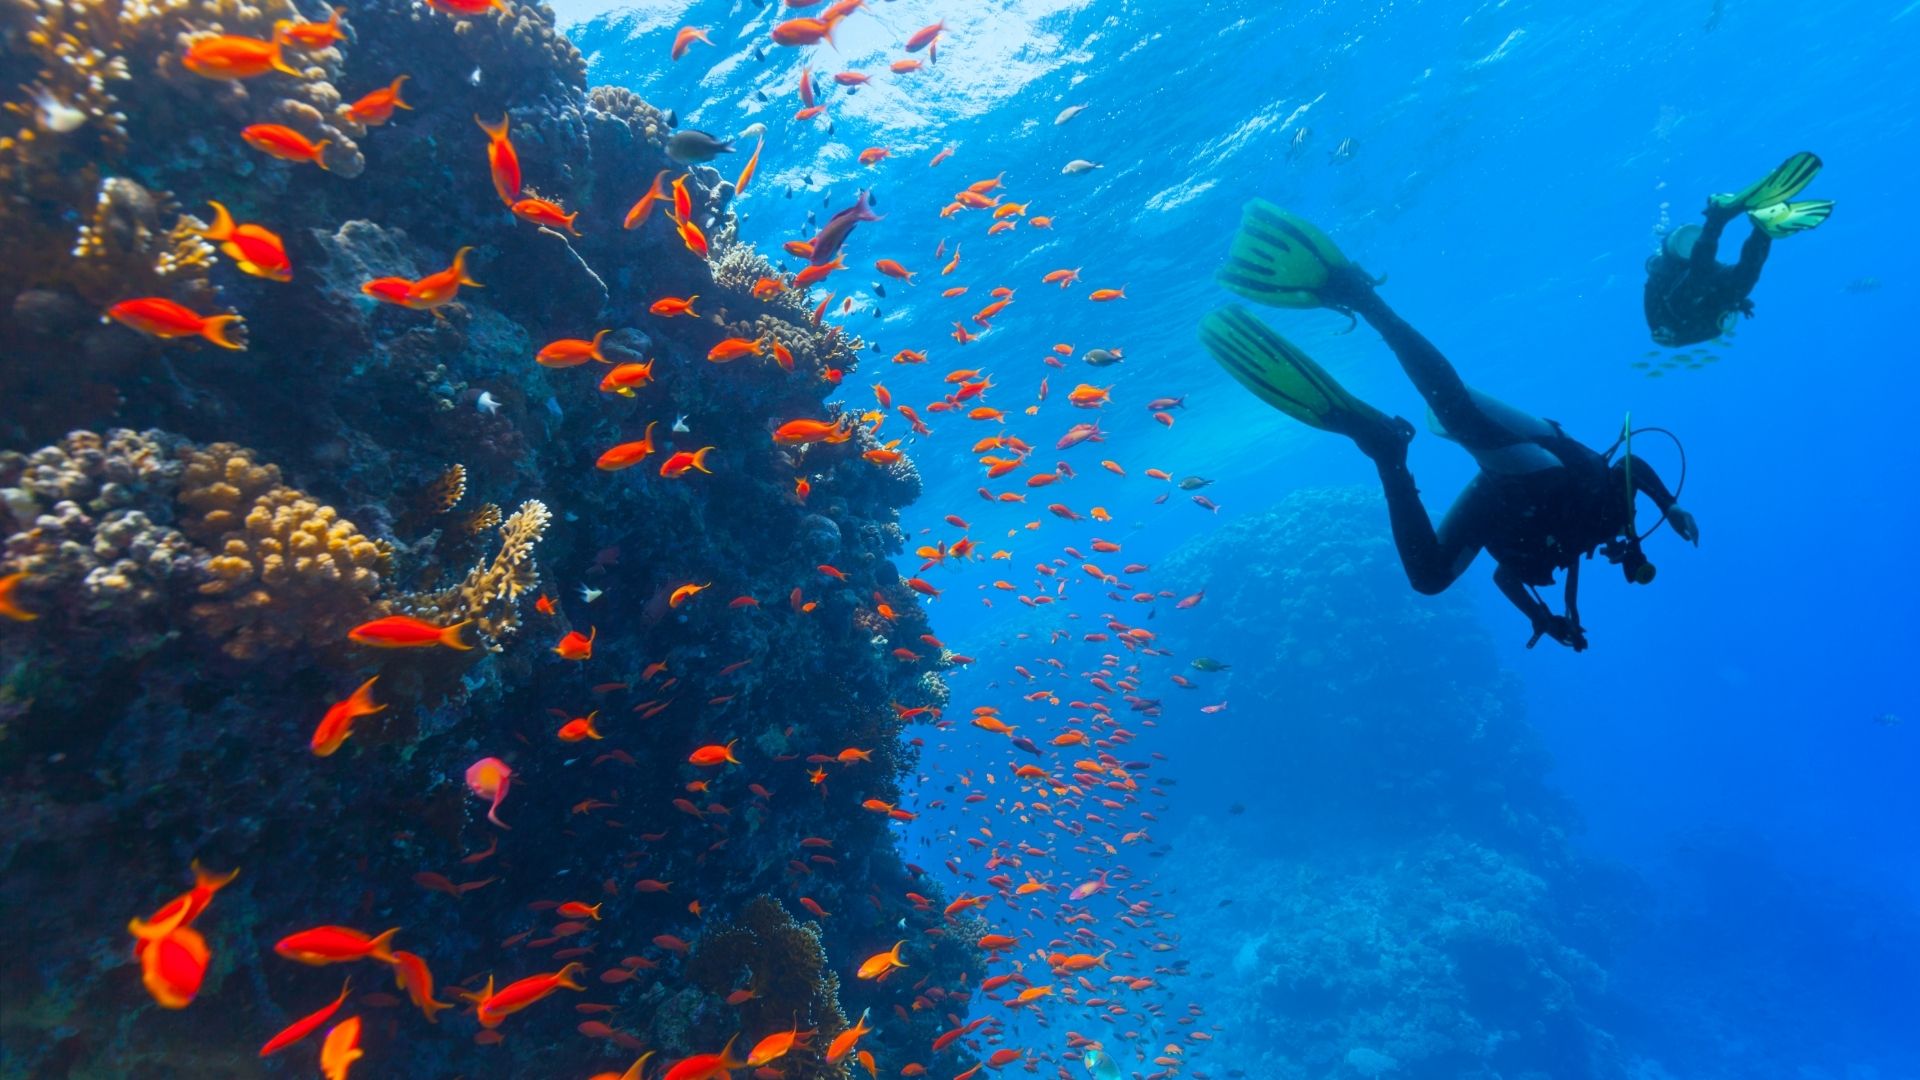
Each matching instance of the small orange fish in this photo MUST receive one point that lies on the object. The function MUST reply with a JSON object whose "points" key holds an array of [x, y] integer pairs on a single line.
{"points": [[644, 207], [231, 56], [753, 163], [684, 39], [162, 318], [544, 212], [670, 306], [894, 270], [1040, 222], [903, 67], [376, 108], [693, 238], [768, 287], [310, 35], [714, 755], [880, 965], [1089, 397], [340, 1049], [253, 249], [491, 1007], [335, 945], [624, 379], [813, 275], [843, 1043], [685, 461], [577, 646], [873, 155], [579, 728], [572, 352], [628, 454], [304, 1026], [502, 161], [281, 141], [410, 971], [734, 348], [1103, 295], [407, 632], [799, 432], [338, 723], [439, 288], [10, 606], [686, 592]]}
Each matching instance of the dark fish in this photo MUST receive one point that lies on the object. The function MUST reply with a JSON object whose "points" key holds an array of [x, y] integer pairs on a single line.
{"points": [[827, 243], [671, 117], [692, 147], [879, 289], [1102, 357], [1194, 483]]}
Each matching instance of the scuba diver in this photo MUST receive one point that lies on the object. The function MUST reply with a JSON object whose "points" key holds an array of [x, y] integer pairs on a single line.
{"points": [[1691, 296], [1541, 501]]}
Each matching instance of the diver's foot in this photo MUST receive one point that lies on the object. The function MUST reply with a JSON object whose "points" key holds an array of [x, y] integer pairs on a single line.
{"points": [[1385, 442]]}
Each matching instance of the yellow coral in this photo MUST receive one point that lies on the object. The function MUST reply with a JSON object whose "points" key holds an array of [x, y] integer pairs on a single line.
{"points": [[288, 570], [489, 595]]}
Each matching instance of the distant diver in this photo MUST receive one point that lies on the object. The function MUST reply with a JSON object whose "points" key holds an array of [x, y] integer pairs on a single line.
{"points": [[1691, 296], [1542, 500]]}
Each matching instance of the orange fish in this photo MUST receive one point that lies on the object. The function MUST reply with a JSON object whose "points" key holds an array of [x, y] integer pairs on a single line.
{"points": [[230, 56], [579, 728], [813, 275], [572, 352], [1089, 397], [803, 32], [335, 945], [304, 1026], [628, 454], [843, 1043], [684, 39], [376, 108], [945, 153], [162, 318], [310, 35], [544, 212], [873, 155], [502, 161], [880, 965], [687, 592], [407, 632], [253, 249], [768, 287], [693, 238], [281, 141], [903, 67], [753, 163], [410, 973], [643, 208], [775, 1046], [340, 1049], [1063, 278], [9, 606], [685, 461], [1103, 295], [624, 379], [439, 288], [799, 432], [338, 723], [734, 348], [491, 1007], [577, 646], [669, 306], [894, 270], [714, 755]]}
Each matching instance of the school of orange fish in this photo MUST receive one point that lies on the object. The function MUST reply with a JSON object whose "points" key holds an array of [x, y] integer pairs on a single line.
{"points": [[1078, 790]]}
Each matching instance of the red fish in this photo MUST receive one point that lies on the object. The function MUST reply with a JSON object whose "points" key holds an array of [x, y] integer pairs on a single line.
{"points": [[576, 646], [376, 108], [281, 141], [304, 1026], [231, 56], [407, 632], [502, 161], [644, 207], [253, 249], [335, 945], [628, 454], [338, 723], [162, 318], [572, 352]]}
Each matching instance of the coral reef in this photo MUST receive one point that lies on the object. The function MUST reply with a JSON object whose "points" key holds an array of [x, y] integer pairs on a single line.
{"points": [[195, 595]]}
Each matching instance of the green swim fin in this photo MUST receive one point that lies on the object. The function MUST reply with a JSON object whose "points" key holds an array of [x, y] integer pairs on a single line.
{"points": [[1785, 219], [1279, 259], [1783, 183], [1281, 375]]}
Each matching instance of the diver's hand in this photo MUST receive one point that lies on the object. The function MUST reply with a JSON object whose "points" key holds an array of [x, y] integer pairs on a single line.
{"points": [[1560, 629], [1684, 525]]}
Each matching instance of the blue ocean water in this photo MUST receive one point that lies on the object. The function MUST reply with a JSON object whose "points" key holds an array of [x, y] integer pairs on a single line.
{"points": [[1512, 165]]}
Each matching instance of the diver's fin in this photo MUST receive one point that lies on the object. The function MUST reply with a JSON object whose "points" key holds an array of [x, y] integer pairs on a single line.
{"points": [[1280, 259], [1785, 219], [1286, 378], [1783, 183]]}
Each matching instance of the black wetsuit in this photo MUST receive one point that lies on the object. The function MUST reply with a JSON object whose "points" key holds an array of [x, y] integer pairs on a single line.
{"points": [[1688, 300], [1534, 524]]}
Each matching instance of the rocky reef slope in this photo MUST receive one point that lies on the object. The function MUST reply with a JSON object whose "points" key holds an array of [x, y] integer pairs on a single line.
{"points": [[197, 529]]}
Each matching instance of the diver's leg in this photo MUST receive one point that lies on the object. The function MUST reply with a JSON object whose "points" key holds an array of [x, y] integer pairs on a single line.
{"points": [[1706, 249], [1753, 256], [1433, 560], [1432, 375]]}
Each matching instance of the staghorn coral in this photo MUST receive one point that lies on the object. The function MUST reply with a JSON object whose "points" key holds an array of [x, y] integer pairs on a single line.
{"points": [[786, 964], [284, 570], [489, 596]]}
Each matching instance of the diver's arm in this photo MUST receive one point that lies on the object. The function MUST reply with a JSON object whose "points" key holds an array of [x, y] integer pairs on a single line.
{"points": [[1545, 622], [1648, 483]]}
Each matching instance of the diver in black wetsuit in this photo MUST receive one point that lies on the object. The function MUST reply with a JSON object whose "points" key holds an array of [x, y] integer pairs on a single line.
{"points": [[1542, 500], [1691, 296]]}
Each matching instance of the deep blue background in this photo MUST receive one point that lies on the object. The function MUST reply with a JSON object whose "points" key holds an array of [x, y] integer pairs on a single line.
{"points": [[1512, 163]]}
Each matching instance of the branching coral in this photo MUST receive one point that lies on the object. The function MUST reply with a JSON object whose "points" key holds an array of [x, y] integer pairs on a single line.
{"points": [[284, 570], [490, 594], [786, 964]]}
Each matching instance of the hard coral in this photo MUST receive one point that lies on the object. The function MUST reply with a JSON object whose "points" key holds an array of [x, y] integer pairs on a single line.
{"points": [[284, 569], [785, 963], [490, 594]]}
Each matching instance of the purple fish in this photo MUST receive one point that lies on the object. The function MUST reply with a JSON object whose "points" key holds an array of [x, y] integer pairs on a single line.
{"points": [[838, 228]]}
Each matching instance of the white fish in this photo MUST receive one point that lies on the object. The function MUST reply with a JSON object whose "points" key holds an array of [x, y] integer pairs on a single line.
{"points": [[486, 403], [1068, 113], [680, 424], [589, 594], [1078, 166], [55, 115], [754, 131]]}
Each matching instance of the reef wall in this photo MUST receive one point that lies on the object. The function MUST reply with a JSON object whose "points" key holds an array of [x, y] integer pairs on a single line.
{"points": [[197, 529], [1404, 899]]}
